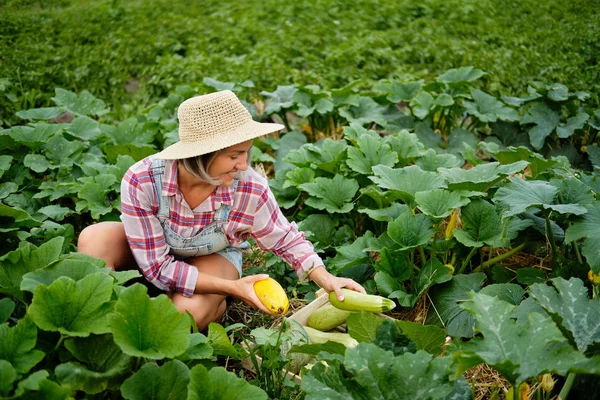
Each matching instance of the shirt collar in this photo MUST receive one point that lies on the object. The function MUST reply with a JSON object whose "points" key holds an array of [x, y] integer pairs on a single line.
{"points": [[222, 195], [169, 187]]}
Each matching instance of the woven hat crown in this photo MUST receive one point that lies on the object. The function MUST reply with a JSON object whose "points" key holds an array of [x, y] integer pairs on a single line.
{"points": [[211, 115]]}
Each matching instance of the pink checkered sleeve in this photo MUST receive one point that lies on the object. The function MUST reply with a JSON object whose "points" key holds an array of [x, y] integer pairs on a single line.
{"points": [[272, 231], [146, 238]]}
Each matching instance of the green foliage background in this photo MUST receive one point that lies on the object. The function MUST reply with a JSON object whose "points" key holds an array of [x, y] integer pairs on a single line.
{"points": [[101, 46]]}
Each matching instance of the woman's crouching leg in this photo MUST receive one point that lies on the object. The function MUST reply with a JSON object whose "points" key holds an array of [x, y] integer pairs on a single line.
{"points": [[205, 308], [107, 241]]}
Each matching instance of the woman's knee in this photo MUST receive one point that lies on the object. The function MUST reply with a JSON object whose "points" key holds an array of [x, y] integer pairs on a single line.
{"points": [[204, 310], [107, 241]]}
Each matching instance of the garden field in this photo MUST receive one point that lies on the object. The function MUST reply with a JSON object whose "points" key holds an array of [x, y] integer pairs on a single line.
{"points": [[444, 154]]}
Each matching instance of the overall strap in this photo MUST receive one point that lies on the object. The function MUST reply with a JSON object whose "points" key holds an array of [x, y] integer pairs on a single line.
{"points": [[222, 214], [158, 170]]}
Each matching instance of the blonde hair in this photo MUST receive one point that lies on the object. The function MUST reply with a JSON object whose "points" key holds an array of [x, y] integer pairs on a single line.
{"points": [[198, 166]]}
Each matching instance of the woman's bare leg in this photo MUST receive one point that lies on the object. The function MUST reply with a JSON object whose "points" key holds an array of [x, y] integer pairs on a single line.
{"points": [[107, 240], [206, 308]]}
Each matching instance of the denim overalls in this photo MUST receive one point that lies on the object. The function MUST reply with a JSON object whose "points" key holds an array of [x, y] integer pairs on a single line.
{"points": [[210, 240]]}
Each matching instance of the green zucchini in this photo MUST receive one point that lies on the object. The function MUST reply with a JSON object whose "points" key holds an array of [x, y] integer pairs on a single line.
{"points": [[355, 301], [316, 337], [327, 317]]}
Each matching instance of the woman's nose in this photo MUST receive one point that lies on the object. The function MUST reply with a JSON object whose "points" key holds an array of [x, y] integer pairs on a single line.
{"points": [[242, 165]]}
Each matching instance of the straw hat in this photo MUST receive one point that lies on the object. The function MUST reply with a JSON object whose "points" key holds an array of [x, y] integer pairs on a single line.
{"points": [[213, 122]]}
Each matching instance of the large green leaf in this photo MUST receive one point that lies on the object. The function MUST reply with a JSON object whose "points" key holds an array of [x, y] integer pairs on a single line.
{"points": [[60, 151], [430, 160], [410, 231], [407, 181], [102, 364], [34, 137], [43, 388], [328, 154], [564, 130], [74, 308], [298, 176], [385, 214], [93, 198], [406, 145], [573, 191], [84, 128], [367, 111], [433, 272], [448, 297], [509, 292], [8, 375], [220, 342], [537, 162], [460, 75], [545, 120], [220, 384], [519, 351], [17, 345], [7, 306], [390, 337], [427, 337], [370, 372], [403, 91], [36, 162], [334, 195], [487, 108], [83, 104], [421, 104], [588, 227], [73, 268], [363, 325], [198, 349], [481, 224], [354, 253], [370, 152], [519, 195], [169, 381], [44, 113], [481, 177], [149, 327], [282, 98], [25, 259], [439, 203], [571, 309], [131, 131], [321, 228]]}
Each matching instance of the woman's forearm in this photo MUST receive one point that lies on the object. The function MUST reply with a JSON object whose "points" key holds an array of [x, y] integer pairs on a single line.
{"points": [[210, 284]]}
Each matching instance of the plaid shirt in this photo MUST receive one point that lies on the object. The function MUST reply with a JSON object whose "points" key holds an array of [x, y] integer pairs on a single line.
{"points": [[254, 212]]}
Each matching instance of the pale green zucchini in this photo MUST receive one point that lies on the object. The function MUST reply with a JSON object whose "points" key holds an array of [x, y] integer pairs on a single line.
{"points": [[327, 317], [355, 301]]}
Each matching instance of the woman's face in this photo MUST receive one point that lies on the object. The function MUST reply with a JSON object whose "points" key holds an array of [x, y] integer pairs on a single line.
{"points": [[229, 162]]}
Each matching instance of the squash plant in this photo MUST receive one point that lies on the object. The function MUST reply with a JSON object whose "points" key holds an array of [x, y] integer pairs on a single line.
{"points": [[71, 327]]}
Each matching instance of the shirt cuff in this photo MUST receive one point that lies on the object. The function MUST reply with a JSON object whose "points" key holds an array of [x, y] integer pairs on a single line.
{"points": [[188, 284], [308, 265]]}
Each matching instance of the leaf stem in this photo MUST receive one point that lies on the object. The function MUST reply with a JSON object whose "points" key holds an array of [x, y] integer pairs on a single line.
{"points": [[466, 260], [499, 258], [577, 252], [551, 239], [567, 386], [60, 342], [422, 255]]}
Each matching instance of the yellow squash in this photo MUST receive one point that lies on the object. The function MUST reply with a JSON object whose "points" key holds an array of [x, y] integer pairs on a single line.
{"points": [[272, 295]]}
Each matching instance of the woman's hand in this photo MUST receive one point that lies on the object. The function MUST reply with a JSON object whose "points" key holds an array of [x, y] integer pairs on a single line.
{"points": [[243, 289], [332, 283]]}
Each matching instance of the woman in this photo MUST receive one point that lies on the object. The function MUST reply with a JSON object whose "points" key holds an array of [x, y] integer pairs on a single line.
{"points": [[188, 211]]}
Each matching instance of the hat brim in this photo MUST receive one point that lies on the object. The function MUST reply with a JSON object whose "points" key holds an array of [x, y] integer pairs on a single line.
{"points": [[245, 132]]}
